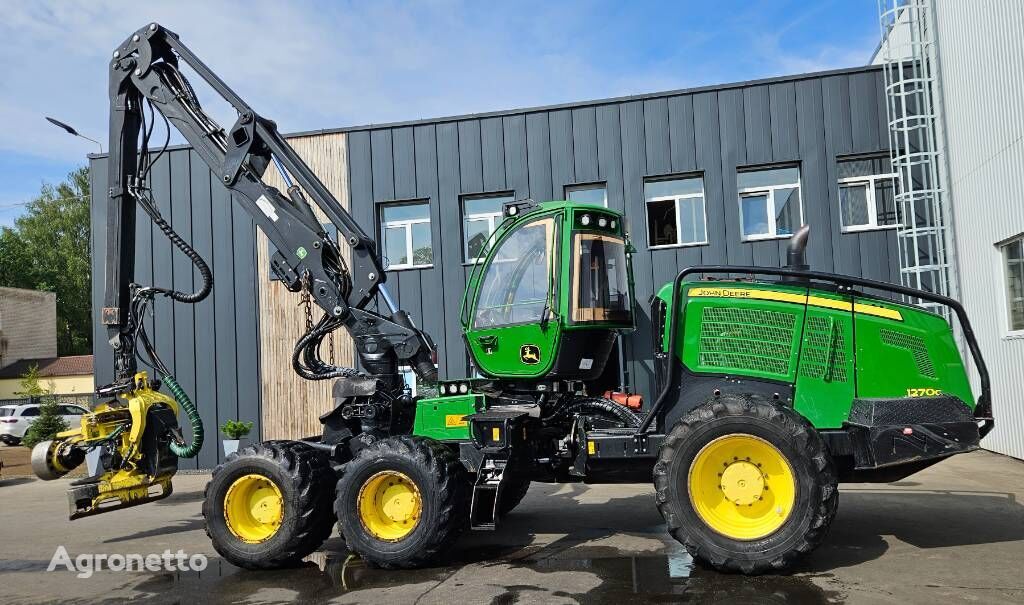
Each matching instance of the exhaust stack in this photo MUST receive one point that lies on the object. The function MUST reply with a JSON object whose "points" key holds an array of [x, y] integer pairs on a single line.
{"points": [[796, 257]]}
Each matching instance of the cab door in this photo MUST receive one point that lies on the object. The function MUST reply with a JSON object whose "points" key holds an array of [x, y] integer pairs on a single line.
{"points": [[513, 330]]}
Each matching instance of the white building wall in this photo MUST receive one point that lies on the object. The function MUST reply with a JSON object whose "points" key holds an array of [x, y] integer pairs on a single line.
{"points": [[981, 76]]}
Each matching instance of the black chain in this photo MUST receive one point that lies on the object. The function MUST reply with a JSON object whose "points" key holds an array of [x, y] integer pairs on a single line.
{"points": [[306, 302]]}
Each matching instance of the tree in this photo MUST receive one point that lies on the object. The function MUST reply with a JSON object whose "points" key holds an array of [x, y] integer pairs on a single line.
{"points": [[48, 249], [49, 422]]}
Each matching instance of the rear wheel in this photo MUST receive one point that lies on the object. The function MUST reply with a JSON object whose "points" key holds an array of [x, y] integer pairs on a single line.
{"points": [[402, 501], [269, 505], [745, 485]]}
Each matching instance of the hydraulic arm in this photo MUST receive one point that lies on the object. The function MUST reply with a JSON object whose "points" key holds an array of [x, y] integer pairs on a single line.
{"points": [[145, 70], [132, 441]]}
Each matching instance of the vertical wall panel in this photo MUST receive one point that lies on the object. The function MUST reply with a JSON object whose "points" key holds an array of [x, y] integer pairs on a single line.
{"points": [[492, 140], [562, 162], [634, 162], [584, 144], [734, 151], [657, 148], [448, 182], [431, 280], [709, 161], [680, 125], [757, 118], [205, 332], [538, 152], [291, 406], [404, 164], [183, 363], [517, 176], [609, 156], [471, 169], [838, 141], [814, 174]]}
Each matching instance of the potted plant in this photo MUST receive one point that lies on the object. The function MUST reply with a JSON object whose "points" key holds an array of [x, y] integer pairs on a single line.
{"points": [[235, 431]]}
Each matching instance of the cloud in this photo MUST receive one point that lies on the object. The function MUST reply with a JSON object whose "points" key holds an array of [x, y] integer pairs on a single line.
{"points": [[312, 65]]}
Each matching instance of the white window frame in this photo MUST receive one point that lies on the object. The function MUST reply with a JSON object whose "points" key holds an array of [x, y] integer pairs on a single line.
{"points": [[1011, 332], [493, 220], [769, 190], [869, 181], [407, 224], [677, 199], [586, 186]]}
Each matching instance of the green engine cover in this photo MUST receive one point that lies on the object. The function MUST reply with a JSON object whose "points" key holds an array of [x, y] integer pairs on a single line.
{"points": [[831, 348]]}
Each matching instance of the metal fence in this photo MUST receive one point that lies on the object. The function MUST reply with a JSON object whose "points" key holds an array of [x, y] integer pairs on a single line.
{"points": [[82, 400]]}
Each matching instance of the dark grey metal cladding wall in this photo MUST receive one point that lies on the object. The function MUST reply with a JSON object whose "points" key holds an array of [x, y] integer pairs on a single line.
{"points": [[212, 347], [808, 120]]}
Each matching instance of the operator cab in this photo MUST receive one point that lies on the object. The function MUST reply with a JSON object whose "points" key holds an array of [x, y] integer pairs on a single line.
{"points": [[552, 292]]}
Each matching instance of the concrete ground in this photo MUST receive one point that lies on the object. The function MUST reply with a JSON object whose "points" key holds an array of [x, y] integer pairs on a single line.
{"points": [[952, 533]]}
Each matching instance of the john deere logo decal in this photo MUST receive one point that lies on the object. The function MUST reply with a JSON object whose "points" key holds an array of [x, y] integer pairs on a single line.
{"points": [[529, 354]]}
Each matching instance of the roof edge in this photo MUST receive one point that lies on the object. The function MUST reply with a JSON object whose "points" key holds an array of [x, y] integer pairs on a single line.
{"points": [[569, 105]]}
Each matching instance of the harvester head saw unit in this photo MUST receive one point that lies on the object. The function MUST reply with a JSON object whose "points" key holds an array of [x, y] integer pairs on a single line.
{"points": [[126, 446]]}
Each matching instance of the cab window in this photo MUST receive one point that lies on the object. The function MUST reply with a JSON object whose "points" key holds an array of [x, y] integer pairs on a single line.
{"points": [[517, 282], [601, 279]]}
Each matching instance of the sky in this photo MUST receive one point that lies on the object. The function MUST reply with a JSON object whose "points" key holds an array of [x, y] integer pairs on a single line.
{"points": [[310, 65]]}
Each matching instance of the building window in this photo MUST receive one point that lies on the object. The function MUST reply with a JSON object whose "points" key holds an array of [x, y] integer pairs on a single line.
{"points": [[1013, 263], [769, 202], [596, 194], [675, 212], [405, 235], [481, 214], [867, 194]]}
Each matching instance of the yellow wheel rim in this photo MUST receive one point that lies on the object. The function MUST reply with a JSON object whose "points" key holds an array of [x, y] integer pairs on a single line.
{"points": [[253, 508], [742, 487], [389, 505]]}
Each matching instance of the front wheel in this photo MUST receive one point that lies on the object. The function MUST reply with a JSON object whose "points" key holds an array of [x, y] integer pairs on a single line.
{"points": [[269, 505], [745, 485]]}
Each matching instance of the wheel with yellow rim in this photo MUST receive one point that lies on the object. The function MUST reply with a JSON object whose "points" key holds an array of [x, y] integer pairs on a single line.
{"points": [[269, 505], [402, 501], [745, 484]]}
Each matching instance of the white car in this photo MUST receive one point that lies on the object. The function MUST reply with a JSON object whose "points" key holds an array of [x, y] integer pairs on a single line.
{"points": [[14, 419]]}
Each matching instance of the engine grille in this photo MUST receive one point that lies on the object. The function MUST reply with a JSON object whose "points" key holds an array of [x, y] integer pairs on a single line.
{"points": [[824, 353], [914, 344], [746, 339]]}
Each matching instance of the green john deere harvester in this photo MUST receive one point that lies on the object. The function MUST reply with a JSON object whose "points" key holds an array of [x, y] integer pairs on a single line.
{"points": [[772, 384]]}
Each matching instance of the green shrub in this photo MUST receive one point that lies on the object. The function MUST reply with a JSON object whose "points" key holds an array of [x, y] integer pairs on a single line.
{"points": [[235, 429], [49, 422]]}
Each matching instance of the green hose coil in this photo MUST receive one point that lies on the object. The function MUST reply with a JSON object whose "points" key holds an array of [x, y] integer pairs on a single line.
{"points": [[182, 450]]}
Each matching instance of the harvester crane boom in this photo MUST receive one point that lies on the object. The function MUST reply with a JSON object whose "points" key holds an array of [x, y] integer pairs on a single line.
{"points": [[145, 70]]}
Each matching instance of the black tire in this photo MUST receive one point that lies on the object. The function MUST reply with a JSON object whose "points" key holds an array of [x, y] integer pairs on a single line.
{"points": [[512, 493], [305, 479], [444, 491], [816, 495]]}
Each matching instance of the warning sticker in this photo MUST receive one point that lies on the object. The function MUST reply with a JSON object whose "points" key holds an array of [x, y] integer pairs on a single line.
{"points": [[455, 421]]}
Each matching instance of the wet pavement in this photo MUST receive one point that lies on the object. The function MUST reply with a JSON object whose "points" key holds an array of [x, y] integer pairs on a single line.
{"points": [[954, 533]]}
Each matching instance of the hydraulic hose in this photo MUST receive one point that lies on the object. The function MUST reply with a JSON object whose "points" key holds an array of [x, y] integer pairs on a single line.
{"points": [[182, 450], [598, 405]]}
